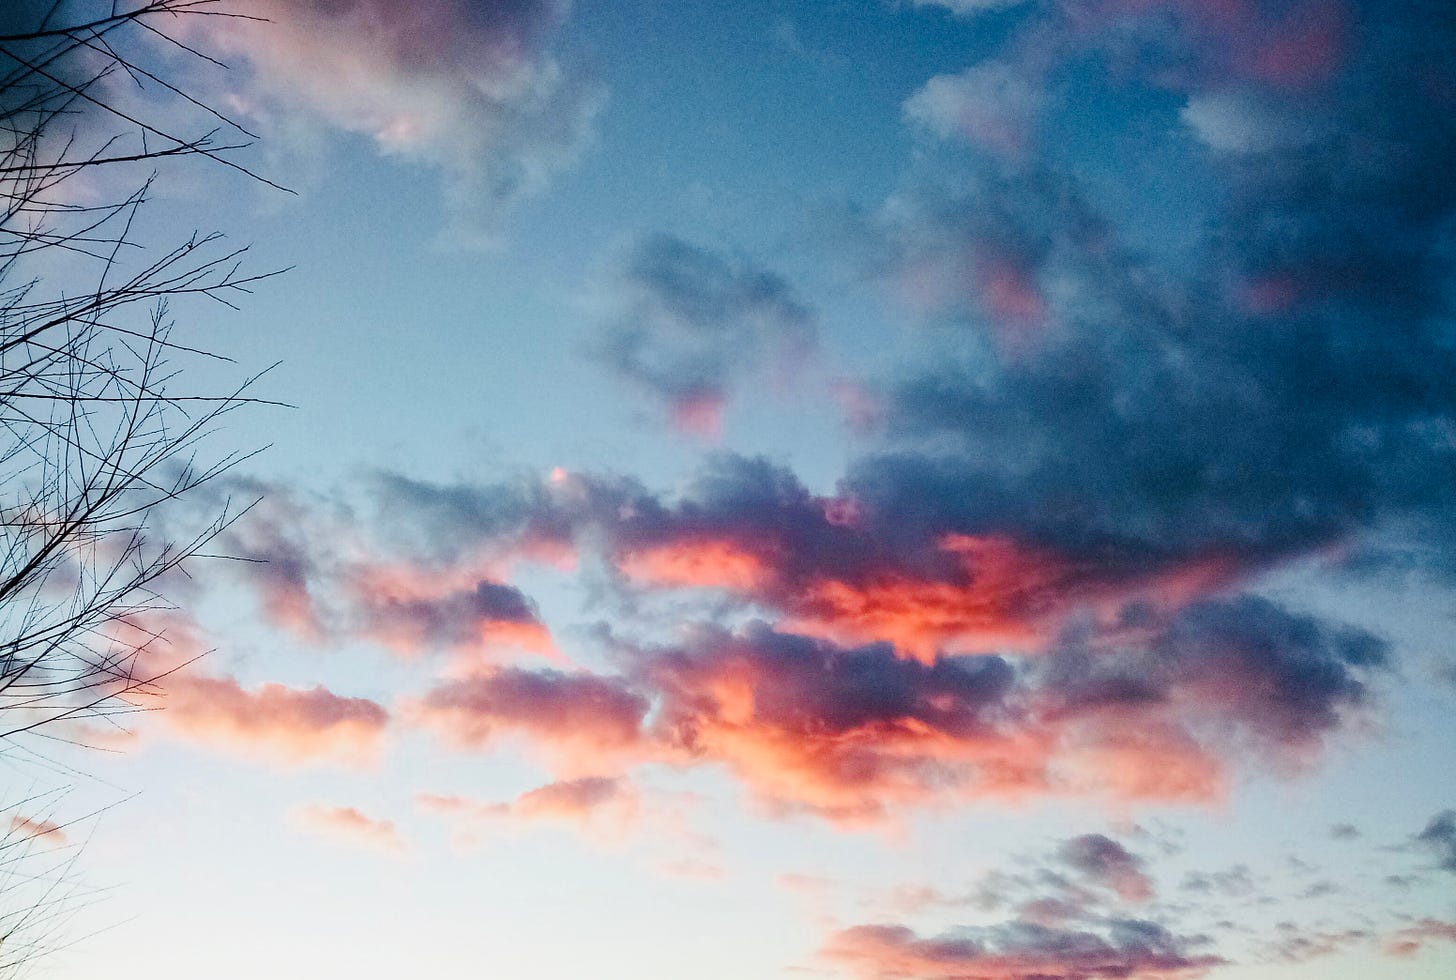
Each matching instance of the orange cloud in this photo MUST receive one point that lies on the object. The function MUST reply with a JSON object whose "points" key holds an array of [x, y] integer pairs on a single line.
{"points": [[988, 593], [702, 563], [37, 828], [854, 735], [1005, 588], [291, 725]]}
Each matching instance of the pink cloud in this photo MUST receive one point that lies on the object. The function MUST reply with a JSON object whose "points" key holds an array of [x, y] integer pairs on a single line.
{"points": [[700, 415], [1410, 940], [348, 825], [595, 801]]}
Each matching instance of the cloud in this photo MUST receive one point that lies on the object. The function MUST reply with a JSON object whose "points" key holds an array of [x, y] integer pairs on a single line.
{"points": [[1131, 949], [1235, 882], [589, 801], [1298, 947], [692, 325], [318, 578], [806, 725], [1410, 940], [348, 825], [273, 722], [573, 799], [888, 558], [968, 7], [408, 611], [1106, 862], [992, 104], [841, 733], [1106, 396], [467, 87], [580, 719], [26, 828], [292, 725], [1244, 121], [1283, 678], [1133, 672], [1038, 577], [854, 734], [1439, 838]]}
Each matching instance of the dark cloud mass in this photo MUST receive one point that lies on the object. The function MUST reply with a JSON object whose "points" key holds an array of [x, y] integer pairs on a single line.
{"points": [[1043, 575], [1280, 388]]}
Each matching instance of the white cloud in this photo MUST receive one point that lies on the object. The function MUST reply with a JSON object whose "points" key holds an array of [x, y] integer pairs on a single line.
{"points": [[468, 87]]}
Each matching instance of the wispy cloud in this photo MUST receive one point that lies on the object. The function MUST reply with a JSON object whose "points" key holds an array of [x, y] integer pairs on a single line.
{"points": [[348, 825]]}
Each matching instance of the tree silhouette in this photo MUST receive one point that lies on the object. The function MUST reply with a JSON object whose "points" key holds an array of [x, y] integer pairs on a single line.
{"points": [[98, 433]]}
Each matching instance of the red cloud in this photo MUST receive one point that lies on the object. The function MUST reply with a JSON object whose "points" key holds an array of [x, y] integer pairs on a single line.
{"points": [[989, 592], [573, 799], [1003, 591]]}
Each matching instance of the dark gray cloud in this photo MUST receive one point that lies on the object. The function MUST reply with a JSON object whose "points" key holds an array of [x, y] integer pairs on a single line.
{"points": [[1105, 862], [1278, 386], [1439, 837], [1242, 665], [1235, 882], [695, 324]]}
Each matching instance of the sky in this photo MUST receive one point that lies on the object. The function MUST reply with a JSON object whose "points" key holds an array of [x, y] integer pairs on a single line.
{"points": [[882, 490]]}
